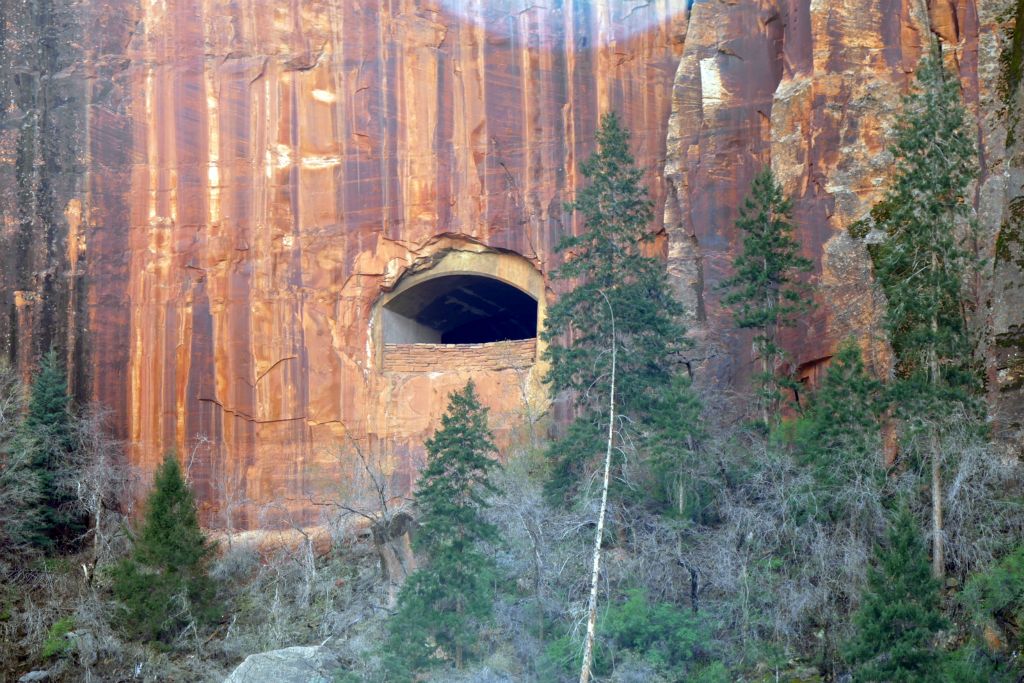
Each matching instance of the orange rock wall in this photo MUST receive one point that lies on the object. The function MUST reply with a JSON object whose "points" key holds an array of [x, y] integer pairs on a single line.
{"points": [[269, 169]]}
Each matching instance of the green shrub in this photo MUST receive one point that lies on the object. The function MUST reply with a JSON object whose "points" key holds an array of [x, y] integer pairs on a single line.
{"points": [[971, 664], [670, 639], [664, 635], [995, 601], [900, 612], [57, 643]]}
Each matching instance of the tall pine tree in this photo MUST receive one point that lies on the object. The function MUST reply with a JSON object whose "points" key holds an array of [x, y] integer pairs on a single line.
{"points": [[925, 219], [48, 434], [611, 272], [442, 606], [766, 292], [922, 261], [899, 614], [164, 586]]}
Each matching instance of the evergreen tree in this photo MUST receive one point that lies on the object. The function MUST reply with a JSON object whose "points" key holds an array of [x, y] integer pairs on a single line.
{"points": [[995, 600], [899, 614], [611, 272], [839, 435], [20, 493], [48, 434], [922, 260], [922, 264], [443, 604], [164, 586], [766, 292]]}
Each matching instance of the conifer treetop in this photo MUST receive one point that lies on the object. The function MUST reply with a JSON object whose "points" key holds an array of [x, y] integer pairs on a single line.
{"points": [[766, 291], [49, 403], [620, 298], [766, 288], [611, 272], [615, 207], [451, 489], [900, 613], [926, 221], [164, 586], [444, 602], [170, 536]]}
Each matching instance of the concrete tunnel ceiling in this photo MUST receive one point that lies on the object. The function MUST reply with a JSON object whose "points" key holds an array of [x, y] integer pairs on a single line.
{"points": [[460, 309]]}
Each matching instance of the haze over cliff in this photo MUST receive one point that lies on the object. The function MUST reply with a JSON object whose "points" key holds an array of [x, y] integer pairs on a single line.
{"points": [[210, 200]]}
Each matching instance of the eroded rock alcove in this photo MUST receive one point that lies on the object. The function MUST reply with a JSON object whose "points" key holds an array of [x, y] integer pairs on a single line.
{"points": [[461, 308]]}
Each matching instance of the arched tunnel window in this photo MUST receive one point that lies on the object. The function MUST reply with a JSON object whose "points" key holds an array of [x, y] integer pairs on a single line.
{"points": [[460, 309]]}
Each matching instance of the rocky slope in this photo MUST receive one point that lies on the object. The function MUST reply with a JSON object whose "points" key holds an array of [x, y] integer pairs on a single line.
{"points": [[212, 197]]}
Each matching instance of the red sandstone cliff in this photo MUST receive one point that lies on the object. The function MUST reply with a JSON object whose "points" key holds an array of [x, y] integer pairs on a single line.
{"points": [[281, 164], [256, 175], [813, 88]]}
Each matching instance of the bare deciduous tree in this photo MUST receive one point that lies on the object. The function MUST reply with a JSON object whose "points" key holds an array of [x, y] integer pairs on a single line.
{"points": [[365, 492], [102, 481], [588, 647]]}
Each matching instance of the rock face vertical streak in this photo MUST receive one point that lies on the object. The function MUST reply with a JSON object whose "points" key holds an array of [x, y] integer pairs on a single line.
{"points": [[719, 137], [113, 164], [282, 164], [42, 137]]}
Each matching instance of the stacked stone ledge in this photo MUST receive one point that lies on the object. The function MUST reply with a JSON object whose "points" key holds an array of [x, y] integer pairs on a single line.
{"points": [[502, 355]]}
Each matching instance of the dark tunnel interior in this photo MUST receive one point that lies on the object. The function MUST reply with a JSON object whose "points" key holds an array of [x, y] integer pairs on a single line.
{"points": [[460, 309]]}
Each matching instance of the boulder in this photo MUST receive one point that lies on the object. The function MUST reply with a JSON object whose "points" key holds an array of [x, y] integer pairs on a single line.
{"points": [[310, 664], [35, 677]]}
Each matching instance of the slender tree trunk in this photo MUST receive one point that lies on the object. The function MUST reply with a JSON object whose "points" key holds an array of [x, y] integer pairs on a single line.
{"points": [[765, 408], [97, 530], [538, 583], [680, 495], [938, 557], [765, 386], [588, 648]]}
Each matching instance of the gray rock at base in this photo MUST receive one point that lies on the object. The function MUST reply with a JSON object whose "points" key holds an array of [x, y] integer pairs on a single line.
{"points": [[35, 676], [312, 664]]}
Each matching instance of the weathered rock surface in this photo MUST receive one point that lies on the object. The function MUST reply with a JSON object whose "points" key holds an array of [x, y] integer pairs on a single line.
{"points": [[813, 88], [1000, 200], [242, 183], [312, 664], [42, 135]]}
